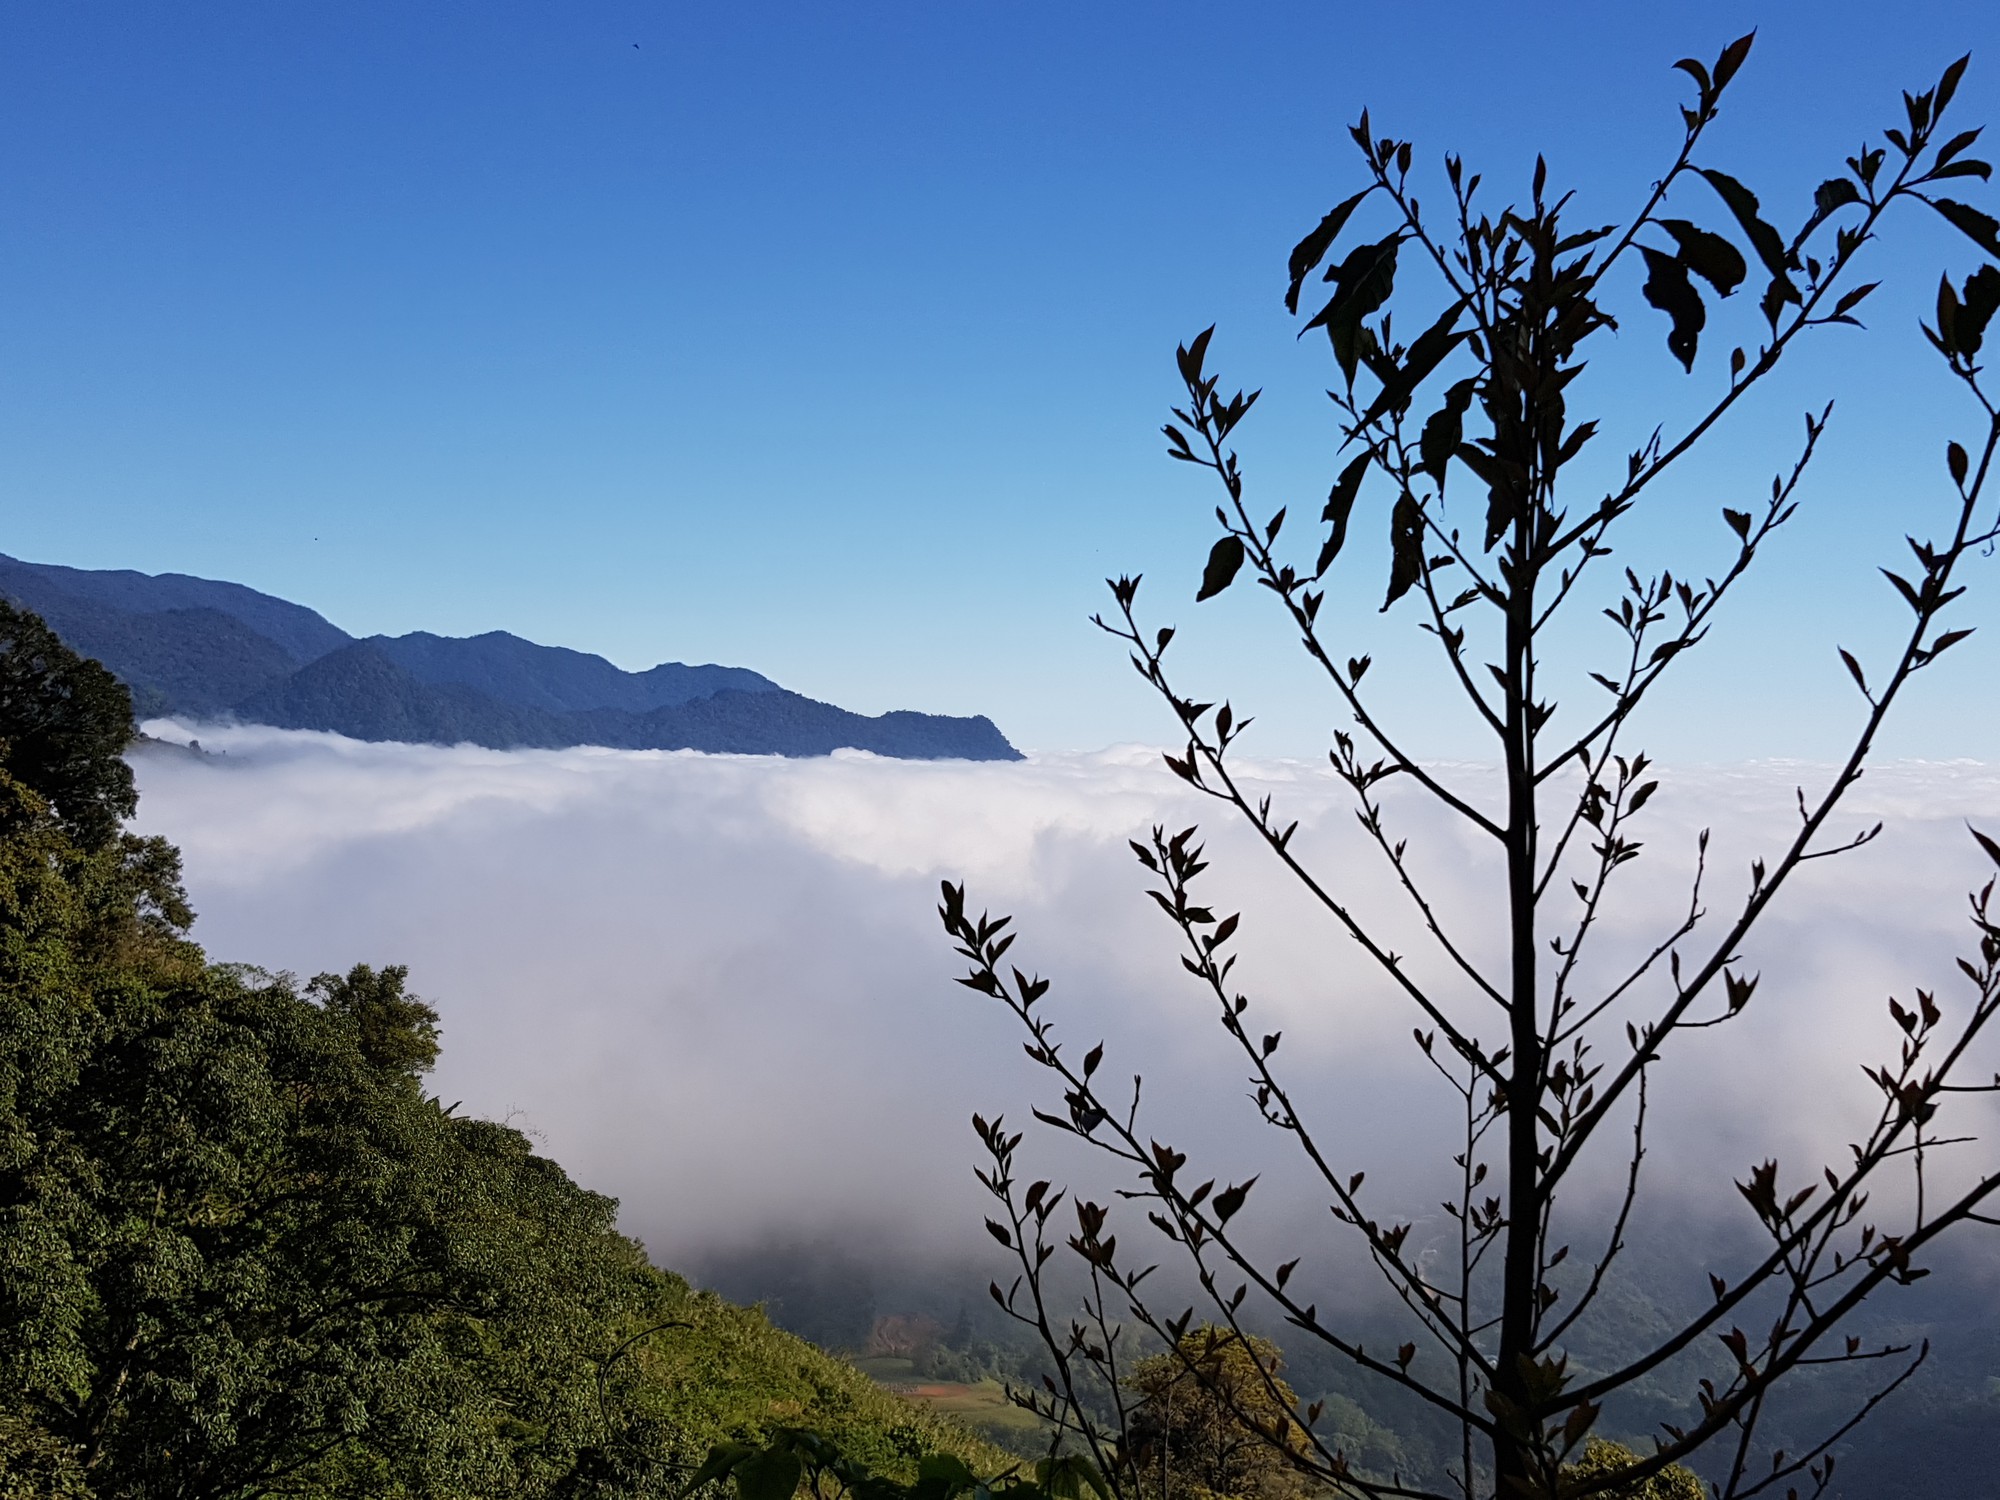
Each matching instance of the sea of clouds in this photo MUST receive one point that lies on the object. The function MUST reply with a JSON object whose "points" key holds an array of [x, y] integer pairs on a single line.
{"points": [[716, 986]]}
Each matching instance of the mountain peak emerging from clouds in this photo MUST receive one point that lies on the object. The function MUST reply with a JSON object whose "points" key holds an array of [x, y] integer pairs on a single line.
{"points": [[204, 649]]}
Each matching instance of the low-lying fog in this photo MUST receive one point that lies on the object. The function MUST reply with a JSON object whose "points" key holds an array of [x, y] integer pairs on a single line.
{"points": [[716, 986]]}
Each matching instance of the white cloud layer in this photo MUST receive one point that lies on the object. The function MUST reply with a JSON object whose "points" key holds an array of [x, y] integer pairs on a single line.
{"points": [[716, 987]]}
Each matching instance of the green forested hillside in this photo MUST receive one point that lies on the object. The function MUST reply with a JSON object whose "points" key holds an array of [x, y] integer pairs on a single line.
{"points": [[244, 1252]]}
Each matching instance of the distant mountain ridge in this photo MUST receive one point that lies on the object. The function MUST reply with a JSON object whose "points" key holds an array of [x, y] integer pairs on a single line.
{"points": [[202, 648]]}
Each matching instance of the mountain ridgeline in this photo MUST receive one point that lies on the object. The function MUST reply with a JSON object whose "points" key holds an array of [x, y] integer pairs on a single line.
{"points": [[197, 648]]}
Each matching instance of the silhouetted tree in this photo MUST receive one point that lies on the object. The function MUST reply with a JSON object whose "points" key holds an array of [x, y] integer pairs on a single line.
{"points": [[1469, 392]]}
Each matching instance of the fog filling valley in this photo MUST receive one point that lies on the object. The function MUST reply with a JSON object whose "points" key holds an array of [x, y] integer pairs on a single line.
{"points": [[716, 986]]}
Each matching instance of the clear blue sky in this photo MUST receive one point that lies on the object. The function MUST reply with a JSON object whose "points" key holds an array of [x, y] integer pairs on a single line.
{"points": [[833, 340]]}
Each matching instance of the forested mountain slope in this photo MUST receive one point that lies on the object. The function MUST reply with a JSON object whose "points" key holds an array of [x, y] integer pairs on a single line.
{"points": [[244, 1251]]}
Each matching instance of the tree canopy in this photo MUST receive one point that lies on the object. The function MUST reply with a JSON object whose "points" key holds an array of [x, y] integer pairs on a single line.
{"points": [[1214, 1420], [64, 724]]}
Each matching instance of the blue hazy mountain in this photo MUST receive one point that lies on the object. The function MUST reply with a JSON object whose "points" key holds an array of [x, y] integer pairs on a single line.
{"points": [[554, 678], [294, 629], [201, 648]]}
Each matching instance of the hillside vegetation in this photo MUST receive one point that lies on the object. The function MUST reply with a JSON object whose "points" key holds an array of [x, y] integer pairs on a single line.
{"points": [[243, 1251]]}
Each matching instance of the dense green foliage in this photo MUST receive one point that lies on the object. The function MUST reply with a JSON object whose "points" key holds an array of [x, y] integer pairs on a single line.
{"points": [[794, 1460], [1600, 1457], [1211, 1421], [243, 1252], [1214, 1418], [65, 720]]}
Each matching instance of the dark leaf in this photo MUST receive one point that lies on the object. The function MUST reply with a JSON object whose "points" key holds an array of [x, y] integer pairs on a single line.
{"points": [[771, 1474], [721, 1460], [1668, 289], [1732, 59], [1981, 300], [1582, 433], [1743, 203], [1406, 548], [1480, 462], [1948, 84], [1365, 279], [1230, 1199], [1776, 295], [1340, 506], [1992, 849], [1504, 495], [1224, 558], [1835, 193], [1978, 227], [1955, 145], [1191, 356], [1852, 298], [1709, 256], [1902, 586], [1854, 669], [1425, 355], [1068, 1476], [1445, 429], [1571, 242], [943, 1476], [1310, 251]]}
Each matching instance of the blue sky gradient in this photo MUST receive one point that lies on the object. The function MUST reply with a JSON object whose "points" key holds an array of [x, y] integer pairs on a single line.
{"points": [[833, 340]]}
